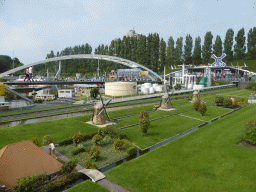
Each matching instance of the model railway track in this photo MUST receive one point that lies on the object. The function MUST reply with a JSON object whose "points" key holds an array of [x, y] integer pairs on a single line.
{"points": [[46, 113]]}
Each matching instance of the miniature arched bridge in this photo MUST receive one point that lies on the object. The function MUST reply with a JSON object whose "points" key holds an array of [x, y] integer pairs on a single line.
{"points": [[119, 60]]}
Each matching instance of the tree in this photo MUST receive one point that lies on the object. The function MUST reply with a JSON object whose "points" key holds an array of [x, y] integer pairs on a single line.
{"points": [[170, 51], [239, 47], [228, 43], [162, 55], [188, 49], [144, 121], [207, 47], [178, 51], [197, 58], [142, 51], [154, 57], [251, 44], [217, 47], [149, 39], [94, 93]]}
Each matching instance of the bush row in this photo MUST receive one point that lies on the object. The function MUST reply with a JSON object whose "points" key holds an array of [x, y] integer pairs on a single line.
{"points": [[70, 141]]}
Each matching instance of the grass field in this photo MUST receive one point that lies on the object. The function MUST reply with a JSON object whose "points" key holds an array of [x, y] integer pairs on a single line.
{"points": [[87, 185], [208, 159], [160, 130]]}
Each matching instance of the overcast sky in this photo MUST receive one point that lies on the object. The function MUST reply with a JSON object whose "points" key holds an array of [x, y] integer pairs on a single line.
{"points": [[32, 28]]}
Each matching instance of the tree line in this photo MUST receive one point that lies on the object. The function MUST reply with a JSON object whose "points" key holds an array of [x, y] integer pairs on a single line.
{"points": [[153, 52], [7, 63]]}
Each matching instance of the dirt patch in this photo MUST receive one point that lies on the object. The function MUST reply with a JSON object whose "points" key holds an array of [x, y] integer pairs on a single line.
{"points": [[247, 144]]}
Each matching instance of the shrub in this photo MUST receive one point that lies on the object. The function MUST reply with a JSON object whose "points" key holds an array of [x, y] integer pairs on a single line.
{"points": [[227, 102], [97, 139], [250, 131], [177, 87], [122, 135], [107, 140], [66, 142], [94, 153], [35, 141], [90, 165], [196, 105], [94, 93], [144, 122], [131, 151], [113, 131], [77, 151], [219, 100], [102, 131], [29, 183], [243, 101], [59, 183], [202, 108], [69, 166], [77, 138], [47, 140], [118, 144], [87, 149]]}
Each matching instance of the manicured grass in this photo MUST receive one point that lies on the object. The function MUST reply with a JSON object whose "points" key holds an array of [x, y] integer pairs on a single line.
{"points": [[87, 185], [211, 113], [160, 130], [239, 92], [58, 130], [135, 119], [107, 153], [207, 159]]}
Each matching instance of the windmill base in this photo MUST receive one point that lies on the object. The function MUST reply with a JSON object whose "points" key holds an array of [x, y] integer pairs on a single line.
{"points": [[170, 109], [102, 125]]}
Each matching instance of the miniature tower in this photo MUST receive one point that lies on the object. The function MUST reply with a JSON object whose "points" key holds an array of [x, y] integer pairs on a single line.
{"points": [[195, 97], [98, 118], [165, 102]]}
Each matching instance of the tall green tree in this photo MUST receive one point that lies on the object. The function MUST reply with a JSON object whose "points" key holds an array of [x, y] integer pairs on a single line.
{"points": [[178, 51], [162, 55], [239, 48], [207, 47], [197, 58], [188, 49], [142, 51], [155, 52], [251, 44], [170, 51], [149, 40], [228, 44], [217, 47]]}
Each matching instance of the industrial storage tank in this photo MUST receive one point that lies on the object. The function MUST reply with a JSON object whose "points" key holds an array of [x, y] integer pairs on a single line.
{"points": [[120, 88]]}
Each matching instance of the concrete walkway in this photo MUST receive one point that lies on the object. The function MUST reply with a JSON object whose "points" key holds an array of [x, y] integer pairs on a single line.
{"points": [[94, 174]]}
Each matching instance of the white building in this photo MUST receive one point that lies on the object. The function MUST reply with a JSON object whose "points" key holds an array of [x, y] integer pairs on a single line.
{"points": [[64, 93]]}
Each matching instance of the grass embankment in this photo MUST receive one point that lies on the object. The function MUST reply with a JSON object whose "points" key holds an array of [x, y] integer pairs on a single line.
{"points": [[87, 185], [208, 159]]}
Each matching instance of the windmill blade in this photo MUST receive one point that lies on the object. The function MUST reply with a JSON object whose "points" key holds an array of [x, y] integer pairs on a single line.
{"points": [[101, 111], [106, 113], [108, 102]]}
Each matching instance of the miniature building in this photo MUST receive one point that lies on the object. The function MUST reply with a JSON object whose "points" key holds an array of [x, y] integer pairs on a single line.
{"points": [[132, 33], [98, 119], [164, 104], [25, 159], [120, 88], [66, 93]]}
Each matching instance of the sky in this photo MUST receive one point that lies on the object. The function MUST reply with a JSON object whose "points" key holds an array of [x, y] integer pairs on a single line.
{"points": [[30, 29]]}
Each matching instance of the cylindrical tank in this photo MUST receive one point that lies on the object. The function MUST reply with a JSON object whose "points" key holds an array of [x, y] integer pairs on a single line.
{"points": [[155, 85], [159, 89], [147, 85], [145, 90], [120, 88], [151, 90]]}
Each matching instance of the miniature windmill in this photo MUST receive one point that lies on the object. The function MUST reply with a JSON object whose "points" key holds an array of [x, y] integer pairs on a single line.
{"points": [[164, 103], [98, 115]]}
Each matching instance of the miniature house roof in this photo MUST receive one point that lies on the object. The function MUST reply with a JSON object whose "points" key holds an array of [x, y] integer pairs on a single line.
{"points": [[24, 159]]}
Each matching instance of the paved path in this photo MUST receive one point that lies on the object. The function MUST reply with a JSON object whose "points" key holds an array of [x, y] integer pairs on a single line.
{"points": [[99, 177]]}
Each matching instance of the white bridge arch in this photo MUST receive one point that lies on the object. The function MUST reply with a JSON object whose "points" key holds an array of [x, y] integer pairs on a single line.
{"points": [[119, 60]]}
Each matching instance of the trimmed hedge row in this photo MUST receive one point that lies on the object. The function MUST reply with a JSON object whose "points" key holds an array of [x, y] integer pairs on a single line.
{"points": [[84, 138]]}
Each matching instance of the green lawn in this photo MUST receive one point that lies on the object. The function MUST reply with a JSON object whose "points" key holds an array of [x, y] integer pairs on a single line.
{"points": [[57, 129], [160, 130], [87, 186], [207, 159], [211, 113], [135, 119], [107, 153]]}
